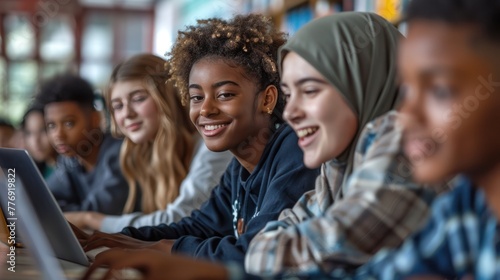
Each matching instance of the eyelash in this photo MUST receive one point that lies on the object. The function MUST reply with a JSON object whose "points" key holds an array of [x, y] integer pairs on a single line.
{"points": [[68, 124], [195, 98], [225, 95], [311, 91], [307, 92], [136, 99], [139, 99]]}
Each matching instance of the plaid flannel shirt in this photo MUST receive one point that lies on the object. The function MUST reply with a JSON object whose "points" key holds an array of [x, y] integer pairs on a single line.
{"points": [[460, 241], [343, 225]]}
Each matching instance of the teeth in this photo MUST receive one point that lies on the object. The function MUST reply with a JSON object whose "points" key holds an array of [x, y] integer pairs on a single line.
{"points": [[214, 127], [306, 131]]}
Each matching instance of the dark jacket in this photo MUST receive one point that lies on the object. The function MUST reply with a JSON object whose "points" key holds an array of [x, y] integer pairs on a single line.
{"points": [[104, 189]]}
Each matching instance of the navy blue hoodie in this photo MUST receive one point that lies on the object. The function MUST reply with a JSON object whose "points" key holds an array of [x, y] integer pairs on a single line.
{"points": [[277, 182]]}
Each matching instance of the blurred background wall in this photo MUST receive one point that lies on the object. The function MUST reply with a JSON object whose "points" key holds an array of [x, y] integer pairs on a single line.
{"points": [[41, 38]]}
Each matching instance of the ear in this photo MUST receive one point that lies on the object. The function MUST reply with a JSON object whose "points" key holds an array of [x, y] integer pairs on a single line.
{"points": [[269, 99]]}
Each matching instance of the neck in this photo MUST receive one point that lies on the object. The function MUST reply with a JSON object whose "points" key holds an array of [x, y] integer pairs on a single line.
{"points": [[249, 152], [490, 183]]}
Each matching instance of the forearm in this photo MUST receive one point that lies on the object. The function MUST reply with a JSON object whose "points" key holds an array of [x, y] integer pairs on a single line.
{"points": [[85, 220]]}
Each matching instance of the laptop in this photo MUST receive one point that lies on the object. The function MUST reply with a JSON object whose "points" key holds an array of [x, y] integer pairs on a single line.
{"points": [[32, 192], [23, 218], [51, 243]]}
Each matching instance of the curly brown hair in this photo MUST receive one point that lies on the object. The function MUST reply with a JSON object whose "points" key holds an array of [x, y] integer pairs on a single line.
{"points": [[251, 41]]}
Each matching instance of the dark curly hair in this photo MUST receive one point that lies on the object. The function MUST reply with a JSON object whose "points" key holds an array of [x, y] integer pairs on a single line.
{"points": [[483, 13], [66, 87], [250, 41]]}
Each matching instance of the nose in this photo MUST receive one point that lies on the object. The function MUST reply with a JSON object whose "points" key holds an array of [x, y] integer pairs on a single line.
{"points": [[57, 133], [208, 108], [129, 111], [293, 113]]}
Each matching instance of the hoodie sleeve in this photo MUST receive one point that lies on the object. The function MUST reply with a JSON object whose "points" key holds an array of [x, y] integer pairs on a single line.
{"points": [[209, 220]]}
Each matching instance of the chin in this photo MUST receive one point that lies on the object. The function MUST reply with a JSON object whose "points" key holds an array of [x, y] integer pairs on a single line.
{"points": [[312, 163], [138, 141], [429, 174], [69, 154], [215, 147]]}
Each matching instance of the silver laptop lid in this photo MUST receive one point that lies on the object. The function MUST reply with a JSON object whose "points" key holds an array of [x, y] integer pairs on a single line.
{"points": [[56, 229], [21, 217]]}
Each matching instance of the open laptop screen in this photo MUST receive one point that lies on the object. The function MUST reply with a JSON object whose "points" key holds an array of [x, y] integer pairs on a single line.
{"points": [[46, 211], [24, 219]]}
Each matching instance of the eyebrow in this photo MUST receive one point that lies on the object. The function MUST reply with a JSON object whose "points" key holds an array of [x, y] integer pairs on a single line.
{"points": [[215, 85], [305, 80], [434, 71], [63, 118]]}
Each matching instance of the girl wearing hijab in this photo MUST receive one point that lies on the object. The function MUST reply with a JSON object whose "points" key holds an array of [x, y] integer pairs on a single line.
{"points": [[338, 74], [341, 104]]}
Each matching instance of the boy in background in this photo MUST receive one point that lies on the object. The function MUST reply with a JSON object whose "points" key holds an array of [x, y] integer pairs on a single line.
{"points": [[450, 66], [88, 175]]}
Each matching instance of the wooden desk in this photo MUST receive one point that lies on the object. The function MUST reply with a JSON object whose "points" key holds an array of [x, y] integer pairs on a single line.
{"points": [[25, 268]]}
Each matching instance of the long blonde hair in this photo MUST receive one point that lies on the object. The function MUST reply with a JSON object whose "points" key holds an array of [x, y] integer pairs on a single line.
{"points": [[159, 166]]}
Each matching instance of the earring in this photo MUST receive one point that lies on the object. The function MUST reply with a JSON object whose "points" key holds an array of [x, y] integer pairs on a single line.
{"points": [[269, 111]]}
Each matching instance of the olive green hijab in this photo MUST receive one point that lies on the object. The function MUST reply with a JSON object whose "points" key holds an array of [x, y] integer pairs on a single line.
{"points": [[356, 52]]}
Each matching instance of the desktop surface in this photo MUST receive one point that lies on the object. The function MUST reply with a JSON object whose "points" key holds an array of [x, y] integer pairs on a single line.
{"points": [[25, 268]]}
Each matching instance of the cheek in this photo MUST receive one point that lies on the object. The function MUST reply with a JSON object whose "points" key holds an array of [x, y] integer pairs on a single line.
{"points": [[471, 136], [119, 119], [440, 115], [193, 117], [30, 140], [154, 120], [45, 140], [341, 127], [194, 113], [149, 112], [50, 134]]}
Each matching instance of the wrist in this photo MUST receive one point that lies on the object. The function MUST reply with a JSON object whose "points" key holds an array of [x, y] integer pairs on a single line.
{"points": [[164, 245]]}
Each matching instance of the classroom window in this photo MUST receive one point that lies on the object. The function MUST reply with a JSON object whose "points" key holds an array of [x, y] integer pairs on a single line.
{"points": [[80, 38]]}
